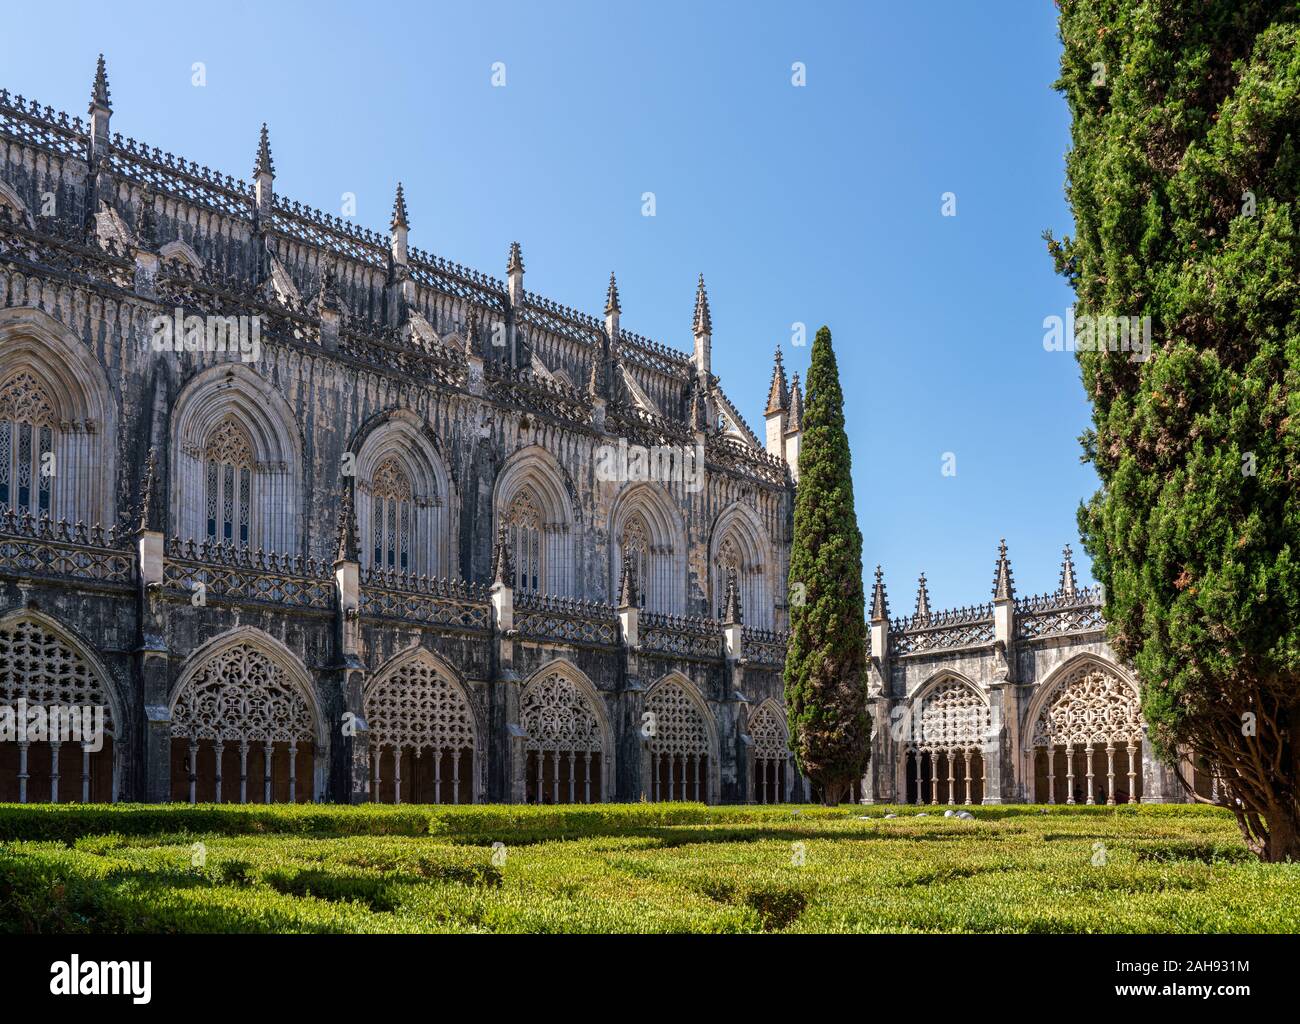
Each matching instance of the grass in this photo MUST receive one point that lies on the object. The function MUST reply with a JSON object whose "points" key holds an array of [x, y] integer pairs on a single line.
{"points": [[633, 868]]}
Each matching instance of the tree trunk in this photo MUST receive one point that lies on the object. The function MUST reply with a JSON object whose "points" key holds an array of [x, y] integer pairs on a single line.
{"points": [[832, 791]]}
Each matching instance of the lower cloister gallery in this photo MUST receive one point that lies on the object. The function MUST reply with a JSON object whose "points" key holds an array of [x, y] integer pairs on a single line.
{"points": [[371, 558]]}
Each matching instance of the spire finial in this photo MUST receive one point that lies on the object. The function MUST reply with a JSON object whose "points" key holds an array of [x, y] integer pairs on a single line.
{"points": [[1004, 587], [794, 422], [778, 395], [515, 263], [99, 91], [347, 526], [879, 600], [731, 610], [503, 568], [922, 613], [263, 164], [703, 321], [1068, 584], [627, 585], [611, 297], [399, 211]]}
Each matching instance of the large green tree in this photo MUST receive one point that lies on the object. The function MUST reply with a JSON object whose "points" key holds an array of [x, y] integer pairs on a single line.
{"points": [[825, 665], [1183, 177]]}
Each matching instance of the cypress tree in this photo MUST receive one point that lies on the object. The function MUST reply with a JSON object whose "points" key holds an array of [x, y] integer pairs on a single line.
{"points": [[825, 665], [1183, 177]]}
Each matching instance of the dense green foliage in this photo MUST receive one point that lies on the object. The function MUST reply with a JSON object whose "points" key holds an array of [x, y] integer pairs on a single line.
{"points": [[1183, 178], [625, 868], [825, 664]]}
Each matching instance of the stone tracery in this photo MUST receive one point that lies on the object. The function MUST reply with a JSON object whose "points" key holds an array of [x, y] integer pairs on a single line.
{"points": [[565, 742], [680, 748], [42, 669], [420, 720], [771, 753]]}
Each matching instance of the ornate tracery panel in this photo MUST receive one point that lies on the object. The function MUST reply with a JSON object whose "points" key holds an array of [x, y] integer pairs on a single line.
{"points": [[1091, 711], [565, 745], [635, 548], [28, 433], [524, 523], [946, 744], [679, 744], [240, 702], [771, 751], [391, 516], [420, 718], [41, 669], [228, 492]]}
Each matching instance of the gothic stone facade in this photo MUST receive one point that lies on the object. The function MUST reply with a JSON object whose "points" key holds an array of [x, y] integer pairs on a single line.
{"points": [[368, 551]]}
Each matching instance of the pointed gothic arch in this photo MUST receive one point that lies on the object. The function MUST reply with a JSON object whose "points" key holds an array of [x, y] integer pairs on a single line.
{"points": [[236, 462], [646, 528], [46, 665], [58, 423], [1086, 714], [681, 755], [532, 499], [244, 708], [568, 745], [771, 779], [424, 733], [12, 201], [177, 251], [941, 759], [738, 543], [406, 502]]}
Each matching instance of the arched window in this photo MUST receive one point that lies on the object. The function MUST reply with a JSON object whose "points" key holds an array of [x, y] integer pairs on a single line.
{"points": [[771, 754], [565, 751], [739, 545], [646, 531], [228, 491], [524, 526], [1086, 724], [679, 745], [45, 670], [239, 714], [236, 460], [534, 502], [422, 734], [945, 746], [27, 440], [390, 516]]}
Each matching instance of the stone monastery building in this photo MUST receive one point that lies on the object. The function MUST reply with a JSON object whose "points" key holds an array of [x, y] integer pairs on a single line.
{"points": [[315, 515]]}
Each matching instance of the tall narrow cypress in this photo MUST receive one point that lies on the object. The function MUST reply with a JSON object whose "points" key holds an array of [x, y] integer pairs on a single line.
{"points": [[825, 665]]}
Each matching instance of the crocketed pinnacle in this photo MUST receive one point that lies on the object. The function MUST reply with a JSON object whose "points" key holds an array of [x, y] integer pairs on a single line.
{"points": [[99, 91], [795, 419], [399, 211], [703, 321], [879, 600], [611, 297], [922, 613], [731, 610], [1004, 587], [503, 569], [263, 163], [1068, 584], [778, 395], [515, 262]]}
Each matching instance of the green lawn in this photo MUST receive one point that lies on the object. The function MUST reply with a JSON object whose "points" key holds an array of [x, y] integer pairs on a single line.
{"points": [[633, 868]]}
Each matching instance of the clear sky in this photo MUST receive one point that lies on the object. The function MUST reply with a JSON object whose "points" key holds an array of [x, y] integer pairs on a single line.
{"points": [[817, 204]]}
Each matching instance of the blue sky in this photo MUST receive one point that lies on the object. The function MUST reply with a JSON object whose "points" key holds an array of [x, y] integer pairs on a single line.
{"points": [[819, 204]]}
